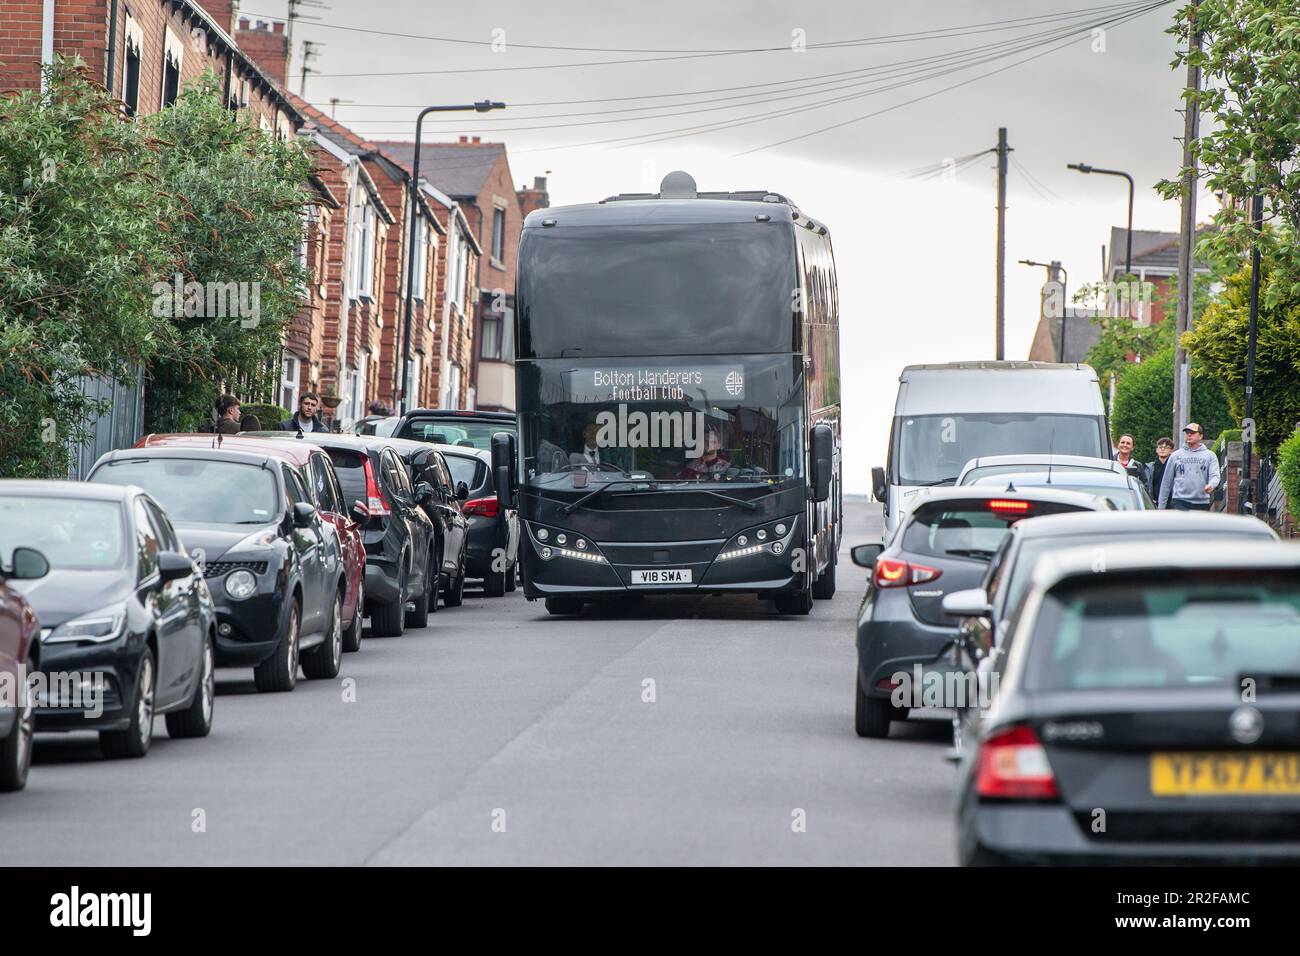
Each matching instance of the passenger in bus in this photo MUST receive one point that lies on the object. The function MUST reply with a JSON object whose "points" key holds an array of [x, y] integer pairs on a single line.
{"points": [[713, 463]]}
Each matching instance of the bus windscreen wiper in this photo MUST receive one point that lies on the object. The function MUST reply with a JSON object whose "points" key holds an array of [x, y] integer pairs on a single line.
{"points": [[573, 506]]}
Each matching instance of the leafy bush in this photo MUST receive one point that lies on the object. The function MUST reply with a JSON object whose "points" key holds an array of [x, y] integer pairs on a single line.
{"points": [[1288, 470], [269, 415], [1144, 403], [1225, 436]]}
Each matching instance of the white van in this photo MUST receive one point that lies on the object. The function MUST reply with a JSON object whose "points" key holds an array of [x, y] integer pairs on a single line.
{"points": [[946, 415]]}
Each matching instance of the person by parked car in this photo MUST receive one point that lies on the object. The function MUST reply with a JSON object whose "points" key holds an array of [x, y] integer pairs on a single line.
{"points": [[1156, 467], [307, 418], [1191, 474]]}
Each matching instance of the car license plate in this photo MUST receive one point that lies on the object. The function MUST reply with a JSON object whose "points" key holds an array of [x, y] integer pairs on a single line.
{"points": [[662, 576], [1216, 773]]}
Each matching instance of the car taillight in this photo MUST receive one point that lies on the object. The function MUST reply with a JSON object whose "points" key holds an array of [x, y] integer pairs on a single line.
{"points": [[487, 507], [893, 573], [375, 498], [1008, 506], [1013, 766]]}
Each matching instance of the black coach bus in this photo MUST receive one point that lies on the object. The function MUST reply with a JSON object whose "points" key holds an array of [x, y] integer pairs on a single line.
{"points": [[678, 400]]}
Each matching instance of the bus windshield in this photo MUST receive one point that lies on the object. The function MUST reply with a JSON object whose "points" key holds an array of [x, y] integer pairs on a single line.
{"points": [[658, 289], [688, 419]]}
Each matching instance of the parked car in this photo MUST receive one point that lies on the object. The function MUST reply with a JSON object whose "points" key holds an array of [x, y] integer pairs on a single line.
{"points": [[493, 551], [1092, 476], [326, 494], [381, 425], [19, 657], [466, 428], [275, 562], [947, 414], [987, 607], [1121, 731], [425, 463], [944, 544], [401, 564], [127, 623]]}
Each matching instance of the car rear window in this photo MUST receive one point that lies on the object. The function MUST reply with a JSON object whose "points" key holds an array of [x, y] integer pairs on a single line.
{"points": [[461, 431], [1194, 629], [350, 466], [961, 529]]}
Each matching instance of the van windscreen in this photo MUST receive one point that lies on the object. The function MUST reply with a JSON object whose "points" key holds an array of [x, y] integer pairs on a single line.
{"points": [[933, 449]]}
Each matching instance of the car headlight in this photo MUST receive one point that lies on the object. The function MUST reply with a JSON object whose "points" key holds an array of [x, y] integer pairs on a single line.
{"points": [[97, 627], [240, 584]]}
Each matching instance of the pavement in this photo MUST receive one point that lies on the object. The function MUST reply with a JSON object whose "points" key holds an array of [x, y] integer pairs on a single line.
{"points": [[660, 731]]}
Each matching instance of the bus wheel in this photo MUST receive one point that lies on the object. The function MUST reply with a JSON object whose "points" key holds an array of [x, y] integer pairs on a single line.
{"points": [[824, 587], [796, 602], [557, 605]]}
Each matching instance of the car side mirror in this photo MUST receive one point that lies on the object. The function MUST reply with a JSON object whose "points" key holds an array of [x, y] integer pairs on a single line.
{"points": [[823, 461], [172, 565], [503, 467], [302, 514], [423, 492], [879, 489], [864, 555], [462, 491], [28, 565], [972, 602], [360, 511]]}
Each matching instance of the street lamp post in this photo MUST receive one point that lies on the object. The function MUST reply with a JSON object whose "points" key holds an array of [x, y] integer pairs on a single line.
{"points": [[483, 106], [1065, 302], [1128, 252]]}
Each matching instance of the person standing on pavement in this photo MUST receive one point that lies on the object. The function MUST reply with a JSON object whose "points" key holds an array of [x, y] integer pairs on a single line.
{"points": [[1156, 469], [1124, 455], [1191, 474], [306, 418], [227, 415]]}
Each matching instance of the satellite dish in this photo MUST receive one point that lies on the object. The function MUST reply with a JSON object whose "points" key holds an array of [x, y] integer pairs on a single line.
{"points": [[677, 185]]}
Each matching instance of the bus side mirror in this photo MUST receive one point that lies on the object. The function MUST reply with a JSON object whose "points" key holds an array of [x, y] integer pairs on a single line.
{"points": [[823, 461], [503, 461], [879, 490]]}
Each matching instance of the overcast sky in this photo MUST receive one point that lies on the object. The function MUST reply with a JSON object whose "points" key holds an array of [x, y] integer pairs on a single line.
{"points": [[915, 257]]}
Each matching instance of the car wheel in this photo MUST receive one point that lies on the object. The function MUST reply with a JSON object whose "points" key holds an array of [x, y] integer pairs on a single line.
{"points": [[16, 749], [512, 576], [871, 715], [560, 605], [389, 619], [797, 602], [196, 719], [824, 588], [134, 741], [322, 663], [352, 633], [280, 671], [427, 602], [455, 595], [494, 582]]}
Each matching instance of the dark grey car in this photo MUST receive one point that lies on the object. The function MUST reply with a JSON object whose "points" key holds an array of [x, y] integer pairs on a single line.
{"points": [[1145, 713], [943, 544]]}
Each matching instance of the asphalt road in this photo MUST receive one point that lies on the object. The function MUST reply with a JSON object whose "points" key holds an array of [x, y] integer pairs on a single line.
{"points": [[500, 735]]}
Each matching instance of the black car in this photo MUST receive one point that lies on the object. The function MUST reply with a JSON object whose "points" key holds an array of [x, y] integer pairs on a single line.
{"points": [[401, 560], [127, 623], [464, 428], [1145, 711], [942, 544], [426, 464], [493, 550], [275, 565]]}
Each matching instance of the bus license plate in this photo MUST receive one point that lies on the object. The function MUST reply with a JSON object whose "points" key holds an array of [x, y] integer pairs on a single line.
{"points": [[662, 576]]}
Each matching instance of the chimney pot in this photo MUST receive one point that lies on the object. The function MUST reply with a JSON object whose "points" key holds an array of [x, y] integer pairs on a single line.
{"points": [[278, 27], [464, 139], [243, 23], [539, 183], [476, 139]]}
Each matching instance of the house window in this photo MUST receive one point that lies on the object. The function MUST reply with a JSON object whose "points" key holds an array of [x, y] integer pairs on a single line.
{"points": [[366, 249], [490, 347], [289, 371], [458, 286], [453, 387], [421, 259], [499, 234], [173, 52], [131, 65]]}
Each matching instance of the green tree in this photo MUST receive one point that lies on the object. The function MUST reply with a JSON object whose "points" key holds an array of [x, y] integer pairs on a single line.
{"points": [[1219, 344], [238, 196], [1142, 400], [79, 196]]}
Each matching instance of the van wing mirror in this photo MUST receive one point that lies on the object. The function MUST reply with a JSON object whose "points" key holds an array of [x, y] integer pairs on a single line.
{"points": [[823, 461], [503, 468], [879, 489]]}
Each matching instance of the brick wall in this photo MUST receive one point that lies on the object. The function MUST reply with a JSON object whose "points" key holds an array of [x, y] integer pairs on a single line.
{"points": [[266, 44]]}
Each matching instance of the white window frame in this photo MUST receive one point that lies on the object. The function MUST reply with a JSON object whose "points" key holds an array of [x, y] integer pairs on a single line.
{"points": [[132, 38], [290, 374], [173, 49], [421, 259]]}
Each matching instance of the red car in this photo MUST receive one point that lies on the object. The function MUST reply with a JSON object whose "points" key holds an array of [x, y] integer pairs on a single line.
{"points": [[317, 473], [19, 640]]}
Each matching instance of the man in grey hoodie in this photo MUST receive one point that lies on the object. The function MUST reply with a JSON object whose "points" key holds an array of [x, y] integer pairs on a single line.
{"points": [[1191, 474]]}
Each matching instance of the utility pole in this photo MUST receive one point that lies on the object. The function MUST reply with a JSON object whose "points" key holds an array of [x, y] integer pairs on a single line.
{"points": [[1187, 230], [1002, 151], [309, 53], [1245, 490], [294, 15]]}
